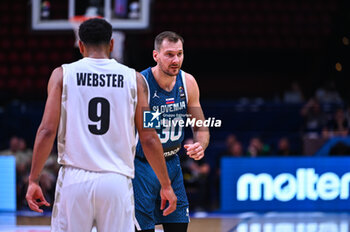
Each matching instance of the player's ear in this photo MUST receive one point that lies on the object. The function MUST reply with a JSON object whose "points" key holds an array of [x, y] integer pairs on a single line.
{"points": [[81, 47], [155, 55], [111, 45]]}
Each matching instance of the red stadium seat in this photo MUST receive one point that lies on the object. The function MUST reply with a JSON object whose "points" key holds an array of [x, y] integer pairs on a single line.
{"points": [[40, 57], [3, 71], [16, 71], [26, 57], [5, 44], [30, 71], [33, 43], [19, 44], [13, 57], [41, 85]]}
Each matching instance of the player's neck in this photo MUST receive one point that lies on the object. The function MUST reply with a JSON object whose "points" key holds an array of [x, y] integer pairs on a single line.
{"points": [[165, 81], [96, 52], [97, 55]]}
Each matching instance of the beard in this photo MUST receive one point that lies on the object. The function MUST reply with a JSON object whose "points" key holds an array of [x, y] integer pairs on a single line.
{"points": [[171, 70]]}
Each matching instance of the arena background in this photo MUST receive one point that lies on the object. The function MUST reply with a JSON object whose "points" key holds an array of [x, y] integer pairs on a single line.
{"points": [[263, 67]]}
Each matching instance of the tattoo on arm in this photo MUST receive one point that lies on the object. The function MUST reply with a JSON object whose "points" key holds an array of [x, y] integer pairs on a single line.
{"points": [[143, 82]]}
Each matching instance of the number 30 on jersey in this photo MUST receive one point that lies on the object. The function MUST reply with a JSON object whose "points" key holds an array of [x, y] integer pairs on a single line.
{"points": [[171, 131]]}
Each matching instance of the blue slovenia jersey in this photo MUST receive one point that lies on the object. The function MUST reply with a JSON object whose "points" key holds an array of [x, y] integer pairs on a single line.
{"points": [[173, 108]]}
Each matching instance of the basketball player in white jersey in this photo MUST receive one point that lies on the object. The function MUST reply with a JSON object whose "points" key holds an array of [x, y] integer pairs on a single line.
{"points": [[94, 104]]}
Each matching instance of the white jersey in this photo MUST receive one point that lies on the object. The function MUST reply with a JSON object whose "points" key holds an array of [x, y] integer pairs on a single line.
{"points": [[97, 131]]}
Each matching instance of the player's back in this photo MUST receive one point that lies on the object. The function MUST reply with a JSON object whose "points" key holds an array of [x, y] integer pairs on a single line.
{"points": [[97, 130]]}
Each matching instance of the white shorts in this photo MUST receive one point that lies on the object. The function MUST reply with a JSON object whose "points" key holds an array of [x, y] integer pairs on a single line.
{"points": [[84, 198]]}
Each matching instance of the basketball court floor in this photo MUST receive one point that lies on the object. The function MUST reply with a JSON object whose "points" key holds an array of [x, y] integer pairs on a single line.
{"points": [[203, 222]]}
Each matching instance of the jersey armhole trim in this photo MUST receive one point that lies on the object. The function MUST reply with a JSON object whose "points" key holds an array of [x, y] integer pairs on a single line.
{"points": [[183, 76], [64, 74]]}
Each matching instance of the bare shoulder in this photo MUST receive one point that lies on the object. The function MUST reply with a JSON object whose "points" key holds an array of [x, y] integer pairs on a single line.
{"points": [[190, 80], [56, 78], [192, 89], [142, 89], [141, 82], [191, 83], [139, 76], [57, 73], [58, 70]]}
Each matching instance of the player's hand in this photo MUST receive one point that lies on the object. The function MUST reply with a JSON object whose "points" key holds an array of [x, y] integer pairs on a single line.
{"points": [[195, 150], [167, 194], [35, 193]]}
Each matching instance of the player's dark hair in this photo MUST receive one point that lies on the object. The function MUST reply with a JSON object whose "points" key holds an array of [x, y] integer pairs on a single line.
{"points": [[95, 32], [168, 35]]}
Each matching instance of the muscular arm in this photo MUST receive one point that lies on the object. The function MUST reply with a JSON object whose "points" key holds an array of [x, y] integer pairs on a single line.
{"points": [[152, 147], [46, 133], [45, 138], [200, 134], [148, 137]]}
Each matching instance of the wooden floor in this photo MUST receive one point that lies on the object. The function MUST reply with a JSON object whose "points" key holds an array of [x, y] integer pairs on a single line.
{"points": [[197, 224], [248, 222]]}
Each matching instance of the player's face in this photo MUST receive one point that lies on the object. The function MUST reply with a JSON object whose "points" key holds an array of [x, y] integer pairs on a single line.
{"points": [[170, 57]]}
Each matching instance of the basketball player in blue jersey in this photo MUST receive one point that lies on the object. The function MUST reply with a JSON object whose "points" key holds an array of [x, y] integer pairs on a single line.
{"points": [[173, 94]]}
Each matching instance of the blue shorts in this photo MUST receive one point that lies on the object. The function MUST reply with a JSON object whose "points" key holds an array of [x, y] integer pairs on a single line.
{"points": [[147, 198]]}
